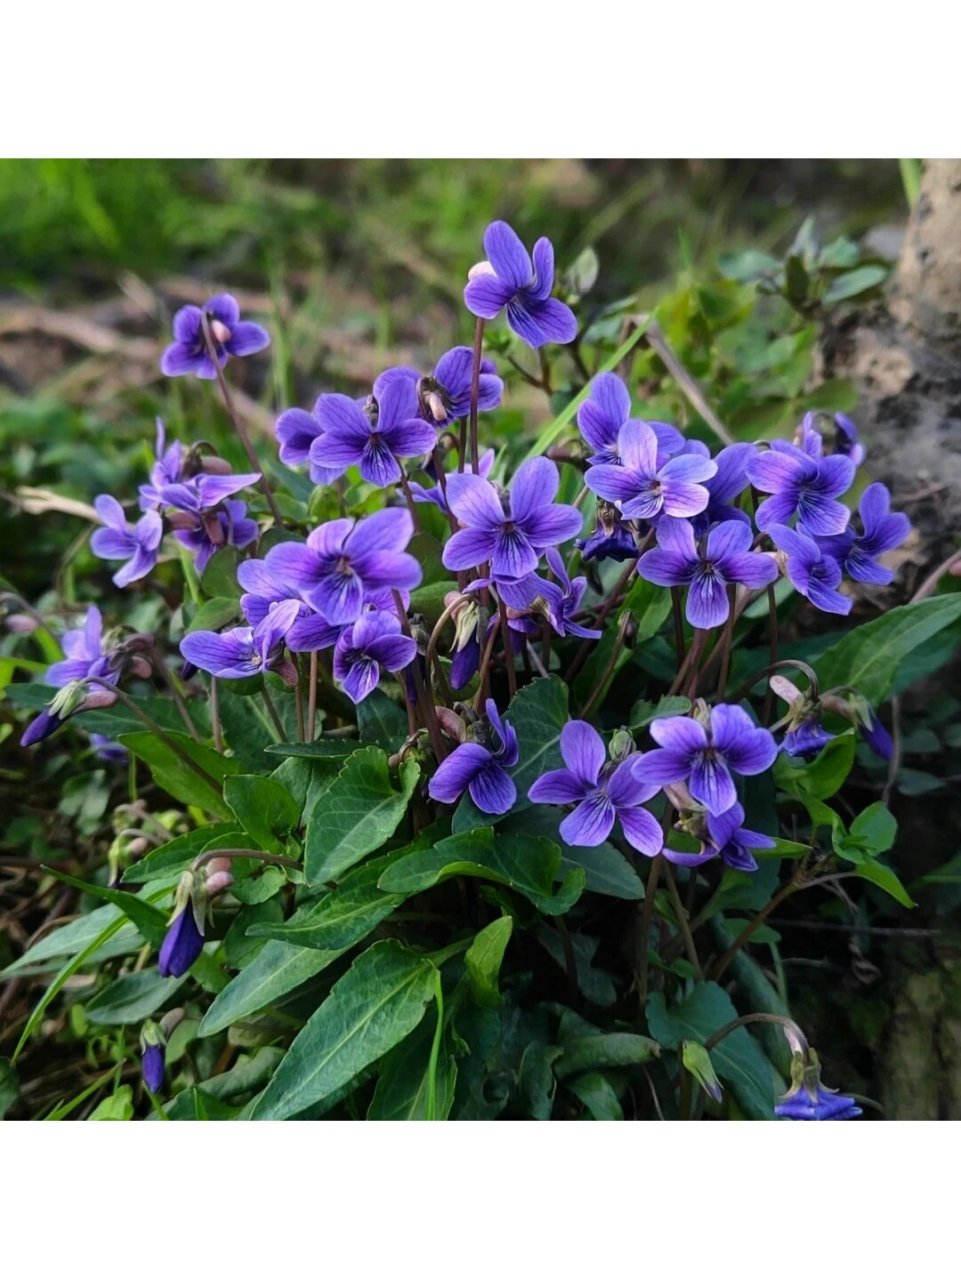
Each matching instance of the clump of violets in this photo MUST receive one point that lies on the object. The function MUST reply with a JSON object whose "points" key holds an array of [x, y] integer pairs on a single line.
{"points": [[231, 336], [455, 717]]}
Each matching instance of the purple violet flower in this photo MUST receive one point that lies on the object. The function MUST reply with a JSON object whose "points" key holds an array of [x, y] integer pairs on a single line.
{"points": [[814, 575], [296, 430], [203, 493], [724, 557], [229, 526], [85, 654], [263, 590], [732, 842], [705, 750], [806, 739], [444, 395], [882, 531], [508, 279], [510, 531], [611, 539], [480, 770], [436, 494], [168, 469], [603, 792], [846, 439], [801, 486], [643, 488], [153, 1066], [346, 561], [375, 640], [182, 944], [605, 411], [138, 544], [107, 750], [728, 482], [243, 651], [232, 337], [374, 437]]}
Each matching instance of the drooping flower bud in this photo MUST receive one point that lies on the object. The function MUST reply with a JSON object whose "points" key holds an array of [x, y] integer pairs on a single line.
{"points": [[184, 939]]}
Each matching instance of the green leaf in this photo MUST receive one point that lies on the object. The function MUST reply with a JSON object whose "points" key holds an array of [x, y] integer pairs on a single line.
{"points": [[320, 749], [375, 1005], [176, 855], [598, 1095], [119, 1106], [131, 998], [342, 917], [873, 831], [738, 1058], [606, 871], [823, 776], [381, 721], [72, 938], [219, 578], [214, 614], [483, 960], [250, 1073], [885, 879], [186, 784], [618, 1049], [355, 814], [265, 809], [149, 920], [868, 657], [276, 970], [854, 282], [404, 1077], [643, 713], [528, 864], [9, 1086]]}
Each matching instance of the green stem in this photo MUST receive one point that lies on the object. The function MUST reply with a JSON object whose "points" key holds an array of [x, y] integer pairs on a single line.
{"points": [[435, 1048]]}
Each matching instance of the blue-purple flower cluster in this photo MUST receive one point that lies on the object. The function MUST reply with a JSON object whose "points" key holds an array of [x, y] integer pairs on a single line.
{"points": [[190, 494]]}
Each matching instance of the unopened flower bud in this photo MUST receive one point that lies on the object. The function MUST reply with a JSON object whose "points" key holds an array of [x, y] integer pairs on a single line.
{"points": [[213, 465], [219, 331], [622, 744], [20, 624]]}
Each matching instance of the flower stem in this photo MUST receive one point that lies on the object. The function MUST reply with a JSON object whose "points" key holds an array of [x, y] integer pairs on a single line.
{"points": [[682, 921], [215, 715], [508, 648], [155, 729], [312, 697], [236, 419], [272, 712], [475, 392], [647, 915]]}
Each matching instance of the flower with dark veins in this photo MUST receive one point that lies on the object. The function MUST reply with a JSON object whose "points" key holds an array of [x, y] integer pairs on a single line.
{"points": [[373, 437], [814, 575], [510, 531], [374, 641], [642, 486], [703, 749], [509, 279], [242, 652], [882, 530], [480, 770], [231, 337], [722, 558], [137, 544], [602, 791], [345, 561], [803, 486]]}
